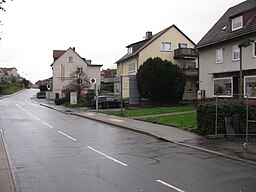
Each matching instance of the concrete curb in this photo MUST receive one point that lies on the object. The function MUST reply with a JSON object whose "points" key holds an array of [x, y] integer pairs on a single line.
{"points": [[157, 136]]}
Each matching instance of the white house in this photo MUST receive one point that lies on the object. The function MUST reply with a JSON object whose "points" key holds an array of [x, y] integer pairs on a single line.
{"points": [[66, 62], [227, 49]]}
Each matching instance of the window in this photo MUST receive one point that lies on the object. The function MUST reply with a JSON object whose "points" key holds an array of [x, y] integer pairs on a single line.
{"points": [[223, 87], [188, 65], [166, 46], [250, 86], [219, 56], [130, 50], [79, 70], [70, 59], [254, 49], [131, 67], [235, 53], [182, 45], [237, 23]]}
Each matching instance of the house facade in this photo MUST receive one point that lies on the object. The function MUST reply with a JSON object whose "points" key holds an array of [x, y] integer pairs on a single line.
{"points": [[169, 44], [9, 74], [65, 63], [227, 54]]}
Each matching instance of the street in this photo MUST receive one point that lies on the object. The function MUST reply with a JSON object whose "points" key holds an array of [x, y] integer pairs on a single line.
{"points": [[51, 151]]}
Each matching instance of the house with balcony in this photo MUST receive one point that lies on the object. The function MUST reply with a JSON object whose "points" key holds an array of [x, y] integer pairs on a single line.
{"points": [[66, 62], [227, 54], [169, 44]]}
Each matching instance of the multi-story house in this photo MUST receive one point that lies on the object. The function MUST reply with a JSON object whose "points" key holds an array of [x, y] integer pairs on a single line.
{"points": [[169, 44], [227, 54], [65, 63]]}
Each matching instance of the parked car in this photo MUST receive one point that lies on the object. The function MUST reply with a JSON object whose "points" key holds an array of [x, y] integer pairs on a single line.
{"points": [[107, 102]]}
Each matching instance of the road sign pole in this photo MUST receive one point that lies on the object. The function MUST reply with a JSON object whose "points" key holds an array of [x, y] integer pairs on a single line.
{"points": [[96, 94]]}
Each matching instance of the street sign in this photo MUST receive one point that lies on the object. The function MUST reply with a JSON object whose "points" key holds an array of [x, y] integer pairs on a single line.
{"points": [[93, 80], [73, 98]]}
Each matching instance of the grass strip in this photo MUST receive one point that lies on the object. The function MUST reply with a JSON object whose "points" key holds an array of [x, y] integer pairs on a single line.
{"points": [[151, 111], [184, 121]]}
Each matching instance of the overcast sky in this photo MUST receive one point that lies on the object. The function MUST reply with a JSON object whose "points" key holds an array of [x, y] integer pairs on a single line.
{"points": [[99, 29]]}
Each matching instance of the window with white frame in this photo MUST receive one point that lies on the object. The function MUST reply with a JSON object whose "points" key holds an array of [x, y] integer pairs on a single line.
{"points": [[131, 67], [223, 87], [166, 46], [237, 23], [70, 59], [254, 49], [219, 56], [235, 53], [129, 50], [182, 45], [250, 86]]}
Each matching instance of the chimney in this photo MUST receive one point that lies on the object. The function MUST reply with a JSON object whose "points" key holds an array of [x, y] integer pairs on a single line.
{"points": [[148, 35], [74, 48]]}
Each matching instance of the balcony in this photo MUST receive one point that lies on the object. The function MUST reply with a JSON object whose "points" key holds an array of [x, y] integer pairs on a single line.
{"points": [[189, 68], [185, 53]]}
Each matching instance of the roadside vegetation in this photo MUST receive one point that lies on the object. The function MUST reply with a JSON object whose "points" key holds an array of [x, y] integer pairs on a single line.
{"points": [[9, 88], [185, 121], [152, 111]]}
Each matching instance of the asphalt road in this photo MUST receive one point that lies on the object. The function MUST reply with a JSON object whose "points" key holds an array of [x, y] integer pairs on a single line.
{"points": [[55, 152]]}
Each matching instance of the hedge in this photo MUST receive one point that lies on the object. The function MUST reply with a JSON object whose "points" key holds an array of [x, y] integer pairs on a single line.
{"points": [[206, 115]]}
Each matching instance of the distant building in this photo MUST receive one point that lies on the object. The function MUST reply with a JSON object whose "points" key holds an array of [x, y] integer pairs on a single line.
{"points": [[108, 75], [9, 74], [66, 62]]}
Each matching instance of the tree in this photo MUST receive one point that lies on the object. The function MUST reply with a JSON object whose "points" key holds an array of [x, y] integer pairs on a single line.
{"points": [[26, 82], [80, 81], [2, 8], [43, 87], [161, 81]]}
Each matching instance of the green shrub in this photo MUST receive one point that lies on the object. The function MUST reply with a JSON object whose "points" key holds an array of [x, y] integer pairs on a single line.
{"points": [[60, 101], [41, 95], [206, 115], [160, 81]]}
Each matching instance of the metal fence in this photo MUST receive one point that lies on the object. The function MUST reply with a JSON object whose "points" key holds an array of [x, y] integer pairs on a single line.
{"points": [[236, 121]]}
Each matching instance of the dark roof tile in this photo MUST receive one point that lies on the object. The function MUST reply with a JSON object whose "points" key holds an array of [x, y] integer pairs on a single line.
{"points": [[221, 31]]}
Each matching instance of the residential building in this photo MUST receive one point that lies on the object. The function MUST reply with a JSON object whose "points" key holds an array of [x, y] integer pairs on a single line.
{"points": [[9, 74], [65, 63], [220, 50], [169, 44], [108, 75]]}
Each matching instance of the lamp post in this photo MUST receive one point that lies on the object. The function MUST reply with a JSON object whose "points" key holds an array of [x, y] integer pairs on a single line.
{"points": [[244, 43]]}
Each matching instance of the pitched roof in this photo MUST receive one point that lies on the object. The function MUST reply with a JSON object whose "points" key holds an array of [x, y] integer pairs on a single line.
{"points": [[144, 43], [58, 53], [221, 31]]}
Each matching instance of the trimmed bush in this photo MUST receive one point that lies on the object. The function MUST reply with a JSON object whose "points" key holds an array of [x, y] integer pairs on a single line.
{"points": [[160, 81], [206, 114], [60, 101]]}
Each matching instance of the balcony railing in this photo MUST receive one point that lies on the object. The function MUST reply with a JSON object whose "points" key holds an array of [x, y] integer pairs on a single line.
{"points": [[185, 53]]}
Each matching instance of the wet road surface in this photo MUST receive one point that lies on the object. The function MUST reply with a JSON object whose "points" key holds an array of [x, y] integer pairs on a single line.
{"points": [[57, 152]]}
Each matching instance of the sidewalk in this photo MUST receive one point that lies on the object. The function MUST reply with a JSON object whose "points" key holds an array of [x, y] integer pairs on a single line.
{"points": [[6, 180], [223, 147]]}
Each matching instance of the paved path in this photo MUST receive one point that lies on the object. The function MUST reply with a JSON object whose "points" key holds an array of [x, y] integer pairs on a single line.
{"points": [[6, 181]]}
